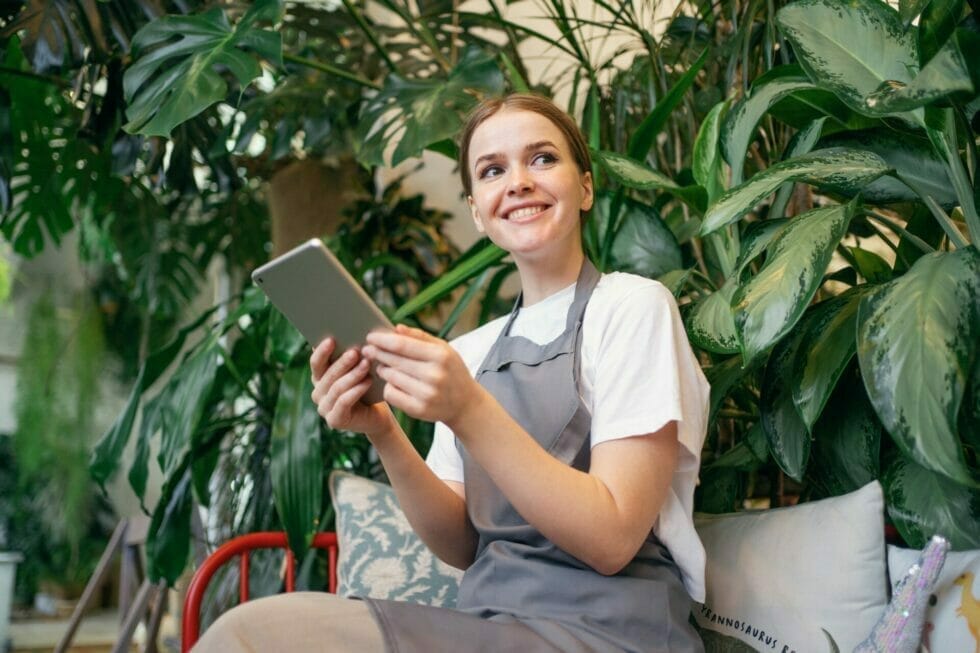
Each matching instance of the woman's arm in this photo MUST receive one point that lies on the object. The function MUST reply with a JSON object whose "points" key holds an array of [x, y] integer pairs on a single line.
{"points": [[601, 516], [436, 510]]}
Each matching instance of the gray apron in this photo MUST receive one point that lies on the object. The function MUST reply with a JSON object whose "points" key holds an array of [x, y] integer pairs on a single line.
{"points": [[522, 593]]}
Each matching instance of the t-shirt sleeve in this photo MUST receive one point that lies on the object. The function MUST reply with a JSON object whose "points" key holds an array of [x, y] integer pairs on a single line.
{"points": [[647, 375], [443, 458]]}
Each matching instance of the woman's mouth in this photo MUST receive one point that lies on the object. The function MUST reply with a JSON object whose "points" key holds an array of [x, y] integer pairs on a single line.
{"points": [[524, 212]]}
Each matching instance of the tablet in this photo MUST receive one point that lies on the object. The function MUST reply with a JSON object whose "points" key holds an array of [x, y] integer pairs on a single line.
{"points": [[320, 298]]}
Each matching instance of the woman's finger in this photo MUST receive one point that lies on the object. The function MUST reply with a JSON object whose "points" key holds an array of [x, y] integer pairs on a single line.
{"points": [[415, 367], [346, 402], [402, 344], [337, 369], [320, 358], [407, 383], [345, 382]]}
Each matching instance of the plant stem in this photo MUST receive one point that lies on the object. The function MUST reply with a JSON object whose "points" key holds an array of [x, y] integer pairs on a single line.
{"points": [[47, 79], [904, 233], [331, 70], [369, 33], [944, 221]]}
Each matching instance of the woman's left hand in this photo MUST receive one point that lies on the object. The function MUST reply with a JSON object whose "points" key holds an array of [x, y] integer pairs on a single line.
{"points": [[424, 376]]}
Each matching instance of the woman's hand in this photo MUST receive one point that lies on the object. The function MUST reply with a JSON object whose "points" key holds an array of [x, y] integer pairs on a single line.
{"points": [[424, 376], [338, 388]]}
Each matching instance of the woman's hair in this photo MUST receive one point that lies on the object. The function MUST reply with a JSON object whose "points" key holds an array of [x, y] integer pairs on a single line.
{"points": [[522, 102]]}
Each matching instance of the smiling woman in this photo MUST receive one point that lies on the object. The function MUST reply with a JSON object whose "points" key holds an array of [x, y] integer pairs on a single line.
{"points": [[585, 406]]}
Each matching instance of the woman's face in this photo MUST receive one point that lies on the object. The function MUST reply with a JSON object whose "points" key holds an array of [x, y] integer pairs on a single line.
{"points": [[527, 189]]}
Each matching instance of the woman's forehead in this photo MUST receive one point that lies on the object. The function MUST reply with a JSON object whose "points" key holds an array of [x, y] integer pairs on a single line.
{"points": [[510, 128]]}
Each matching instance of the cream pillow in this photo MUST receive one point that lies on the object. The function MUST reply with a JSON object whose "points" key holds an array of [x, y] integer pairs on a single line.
{"points": [[778, 579]]}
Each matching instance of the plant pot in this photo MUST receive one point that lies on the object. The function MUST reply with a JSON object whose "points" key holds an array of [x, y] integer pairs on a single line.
{"points": [[8, 566]]}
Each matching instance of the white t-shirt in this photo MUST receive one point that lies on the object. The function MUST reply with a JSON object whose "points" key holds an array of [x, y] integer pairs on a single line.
{"points": [[637, 374]]}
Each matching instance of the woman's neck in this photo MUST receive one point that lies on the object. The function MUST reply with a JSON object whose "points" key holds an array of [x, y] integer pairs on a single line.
{"points": [[543, 278]]}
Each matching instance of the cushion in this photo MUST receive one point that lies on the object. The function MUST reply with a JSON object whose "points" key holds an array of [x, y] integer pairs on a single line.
{"points": [[953, 619], [785, 579], [380, 556]]}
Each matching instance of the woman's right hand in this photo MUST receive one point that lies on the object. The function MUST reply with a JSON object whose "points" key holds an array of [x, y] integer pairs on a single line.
{"points": [[338, 388]]}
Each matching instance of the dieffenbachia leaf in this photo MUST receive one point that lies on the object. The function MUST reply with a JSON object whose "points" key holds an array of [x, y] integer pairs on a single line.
{"points": [[839, 168], [633, 174], [851, 48], [740, 123], [710, 324], [917, 339], [786, 434], [946, 73], [923, 503], [770, 303]]}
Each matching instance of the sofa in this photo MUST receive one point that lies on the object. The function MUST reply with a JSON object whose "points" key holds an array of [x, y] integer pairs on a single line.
{"points": [[813, 577]]}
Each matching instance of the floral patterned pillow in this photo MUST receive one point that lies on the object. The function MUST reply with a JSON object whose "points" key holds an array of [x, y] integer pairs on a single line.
{"points": [[380, 556]]}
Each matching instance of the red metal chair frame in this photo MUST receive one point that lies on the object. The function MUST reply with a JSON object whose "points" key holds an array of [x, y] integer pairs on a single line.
{"points": [[242, 546]]}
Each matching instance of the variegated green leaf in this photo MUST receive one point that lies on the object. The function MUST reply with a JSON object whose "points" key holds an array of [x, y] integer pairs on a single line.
{"points": [[802, 143], [786, 434], [769, 304], [739, 128], [851, 48], [917, 339], [710, 324], [922, 503], [706, 164], [756, 240], [910, 155], [297, 460], [839, 168], [829, 335], [633, 174], [946, 73], [847, 439]]}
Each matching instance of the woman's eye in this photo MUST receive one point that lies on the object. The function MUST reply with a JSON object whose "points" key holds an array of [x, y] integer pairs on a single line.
{"points": [[490, 171], [545, 158]]}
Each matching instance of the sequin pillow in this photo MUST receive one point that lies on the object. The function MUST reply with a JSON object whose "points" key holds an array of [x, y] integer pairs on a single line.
{"points": [[790, 579], [953, 615], [380, 556]]}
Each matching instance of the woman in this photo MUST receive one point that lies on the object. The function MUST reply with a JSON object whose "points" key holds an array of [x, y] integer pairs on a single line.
{"points": [[568, 434]]}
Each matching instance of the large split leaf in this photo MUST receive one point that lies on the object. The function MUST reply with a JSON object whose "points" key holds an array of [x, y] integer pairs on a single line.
{"points": [[739, 128], [923, 503], [420, 112], [297, 461], [710, 324], [177, 74], [769, 304], [911, 156], [829, 333], [841, 169], [847, 440], [917, 339], [851, 48]]}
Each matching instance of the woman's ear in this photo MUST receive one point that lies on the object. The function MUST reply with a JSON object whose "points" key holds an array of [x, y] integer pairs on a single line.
{"points": [[587, 192], [475, 212]]}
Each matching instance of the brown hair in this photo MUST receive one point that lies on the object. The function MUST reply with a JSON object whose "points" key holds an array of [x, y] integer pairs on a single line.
{"points": [[522, 102]]}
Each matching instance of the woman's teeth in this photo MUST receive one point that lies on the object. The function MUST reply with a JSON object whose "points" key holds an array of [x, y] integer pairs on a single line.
{"points": [[524, 212]]}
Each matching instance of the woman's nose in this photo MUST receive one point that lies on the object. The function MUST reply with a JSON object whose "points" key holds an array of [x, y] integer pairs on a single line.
{"points": [[520, 182]]}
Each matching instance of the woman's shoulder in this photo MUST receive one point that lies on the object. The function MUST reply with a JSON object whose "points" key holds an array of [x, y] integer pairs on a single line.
{"points": [[626, 291]]}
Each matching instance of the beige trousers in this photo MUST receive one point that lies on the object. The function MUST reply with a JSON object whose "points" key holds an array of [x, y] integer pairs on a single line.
{"points": [[297, 621]]}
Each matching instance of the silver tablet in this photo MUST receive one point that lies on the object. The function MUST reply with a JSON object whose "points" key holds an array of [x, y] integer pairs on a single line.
{"points": [[320, 298]]}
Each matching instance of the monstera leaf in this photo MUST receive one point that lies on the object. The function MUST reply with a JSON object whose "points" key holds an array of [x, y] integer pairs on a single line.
{"points": [[177, 73], [422, 112], [917, 339]]}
